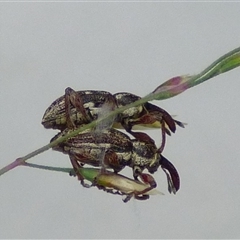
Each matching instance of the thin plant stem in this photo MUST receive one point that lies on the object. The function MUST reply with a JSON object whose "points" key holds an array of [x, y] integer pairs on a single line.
{"points": [[49, 168], [166, 90]]}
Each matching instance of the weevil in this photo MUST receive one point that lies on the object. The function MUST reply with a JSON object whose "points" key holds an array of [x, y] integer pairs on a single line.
{"points": [[117, 150], [81, 107], [119, 184]]}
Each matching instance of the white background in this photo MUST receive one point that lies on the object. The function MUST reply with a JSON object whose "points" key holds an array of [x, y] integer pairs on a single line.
{"points": [[134, 47]]}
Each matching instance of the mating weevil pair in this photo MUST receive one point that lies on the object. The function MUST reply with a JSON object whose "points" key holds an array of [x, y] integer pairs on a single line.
{"points": [[119, 151], [78, 108]]}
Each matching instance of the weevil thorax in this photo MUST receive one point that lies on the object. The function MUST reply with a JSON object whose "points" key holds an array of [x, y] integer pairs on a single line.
{"points": [[145, 155], [55, 115], [124, 98]]}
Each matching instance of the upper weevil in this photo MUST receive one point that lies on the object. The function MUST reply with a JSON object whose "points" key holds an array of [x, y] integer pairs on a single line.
{"points": [[77, 108]]}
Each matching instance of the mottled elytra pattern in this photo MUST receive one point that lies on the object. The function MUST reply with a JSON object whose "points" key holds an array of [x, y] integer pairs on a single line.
{"points": [[55, 115], [110, 137]]}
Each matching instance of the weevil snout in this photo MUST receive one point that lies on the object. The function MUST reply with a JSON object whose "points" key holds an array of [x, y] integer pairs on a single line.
{"points": [[172, 175]]}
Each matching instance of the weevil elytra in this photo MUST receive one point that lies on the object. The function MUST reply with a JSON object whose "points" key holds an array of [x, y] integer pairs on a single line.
{"points": [[76, 108], [118, 151]]}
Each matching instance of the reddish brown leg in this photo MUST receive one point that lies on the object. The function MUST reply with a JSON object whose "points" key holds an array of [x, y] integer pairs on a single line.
{"points": [[128, 197], [151, 118], [141, 195], [76, 167], [143, 137], [135, 195], [147, 119], [72, 98], [111, 160], [160, 149], [146, 178]]}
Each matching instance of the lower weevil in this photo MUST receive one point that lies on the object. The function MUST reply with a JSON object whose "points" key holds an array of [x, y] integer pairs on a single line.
{"points": [[118, 151]]}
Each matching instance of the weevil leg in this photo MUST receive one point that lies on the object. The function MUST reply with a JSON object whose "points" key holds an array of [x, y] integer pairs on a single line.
{"points": [[143, 197], [136, 195], [160, 114], [76, 167], [143, 137], [128, 197], [111, 160], [71, 97], [72, 171], [147, 119], [154, 118], [171, 187], [146, 178], [163, 143]]}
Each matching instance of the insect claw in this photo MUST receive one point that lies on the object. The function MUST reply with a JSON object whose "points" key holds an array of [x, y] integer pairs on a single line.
{"points": [[142, 137], [180, 124], [85, 184], [171, 188], [72, 173], [167, 132], [136, 195], [127, 198], [142, 197]]}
